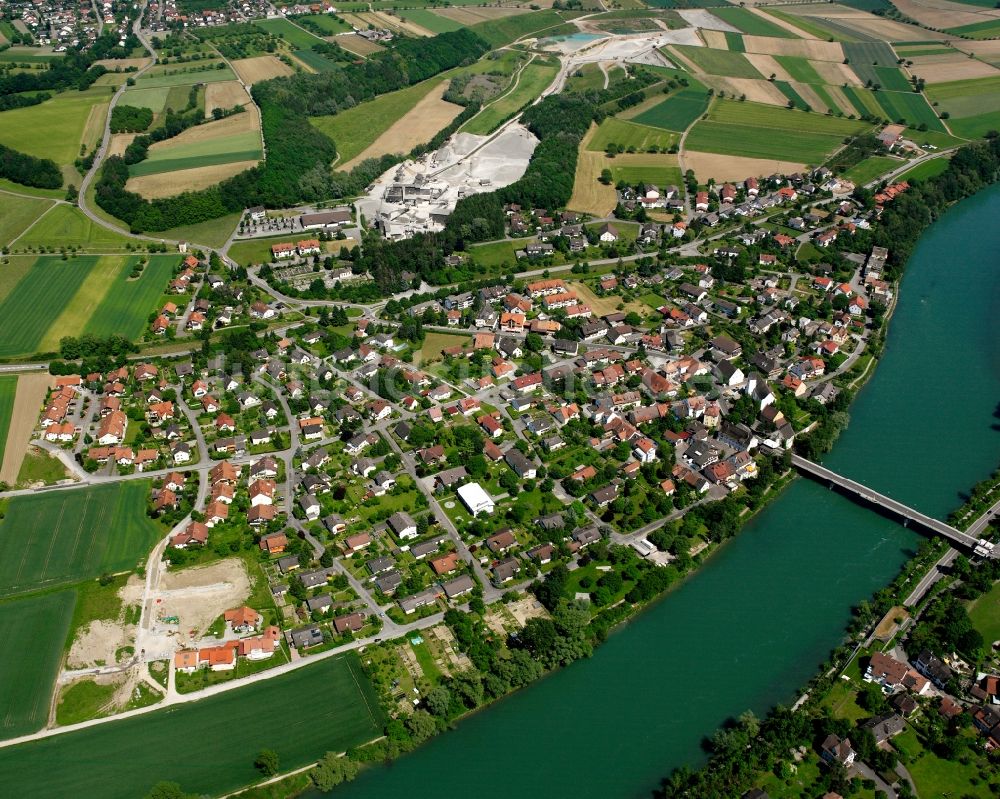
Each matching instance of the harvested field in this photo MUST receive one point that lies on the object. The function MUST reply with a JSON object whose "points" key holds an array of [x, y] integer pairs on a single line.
{"points": [[231, 140], [168, 184], [944, 14], [113, 64], [420, 124], [715, 39], [359, 45], [406, 26], [589, 195], [807, 93], [986, 50], [469, 15], [836, 73], [201, 594], [225, 95], [756, 91], [262, 67], [812, 49], [841, 101], [945, 68], [119, 142], [732, 167], [766, 65], [28, 399]]}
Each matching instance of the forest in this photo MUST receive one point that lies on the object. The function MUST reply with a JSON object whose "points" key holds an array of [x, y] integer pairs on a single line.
{"points": [[27, 170]]}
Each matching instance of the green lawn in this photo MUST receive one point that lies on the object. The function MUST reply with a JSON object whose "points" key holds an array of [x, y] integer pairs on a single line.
{"points": [[219, 150], [630, 135], [16, 214], [676, 112], [328, 706], [353, 130], [33, 631], [298, 37], [762, 131], [496, 253], [154, 99], [61, 122], [719, 62], [50, 539], [8, 388], [985, 612], [927, 169], [36, 302], [128, 303], [67, 226], [871, 168], [534, 78], [936, 777], [751, 23]]}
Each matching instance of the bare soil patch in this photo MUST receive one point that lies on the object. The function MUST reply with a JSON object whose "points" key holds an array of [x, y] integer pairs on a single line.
{"points": [[420, 124], [168, 184], [31, 392], [525, 609], [96, 644], [225, 94], [804, 48], [198, 596], [262, 67], [735, 167], [944, 68]]}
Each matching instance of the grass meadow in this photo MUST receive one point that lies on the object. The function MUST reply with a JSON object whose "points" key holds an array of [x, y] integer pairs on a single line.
{"points": [[751, 23], [185, 78], [208, 152], [8, 388], [298, 37], [33, 629], [128, 303], [17, 214], [677, 112], [630, 135], [51, 539], [67, 226], [719, 62], [327, 706], [533, 80], [63, 119]]}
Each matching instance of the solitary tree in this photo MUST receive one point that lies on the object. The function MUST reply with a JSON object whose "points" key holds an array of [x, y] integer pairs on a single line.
{"points": [[267, 762]]}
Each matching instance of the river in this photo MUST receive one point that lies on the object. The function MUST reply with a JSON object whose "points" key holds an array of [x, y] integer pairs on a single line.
{"points": [[752, 625]]}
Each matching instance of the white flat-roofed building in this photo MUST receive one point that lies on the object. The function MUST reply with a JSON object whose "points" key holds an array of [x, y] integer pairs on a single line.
{"points": [[476, 499]]}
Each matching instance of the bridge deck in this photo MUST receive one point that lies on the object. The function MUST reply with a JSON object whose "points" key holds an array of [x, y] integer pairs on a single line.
{"points": [[935, 525]]}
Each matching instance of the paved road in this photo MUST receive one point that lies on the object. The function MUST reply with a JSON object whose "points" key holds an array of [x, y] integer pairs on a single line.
{"points": [[935, 573]]}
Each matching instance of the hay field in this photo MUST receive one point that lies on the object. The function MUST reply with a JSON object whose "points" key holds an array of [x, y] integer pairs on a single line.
{"points": [[64, 119], [56, 538], [168, 184], [988, 51], [34, 629], [67, 226], [419, 125], [27, 404], [732, 167], [153, 99], [590, 196], [17, 214], [812, 49], [756, 91], [766, 65], [359, 45], [262, 67], [113, 64], [945, 68], [630, 135], [945, 14], [714, 39], [119, 143], [225, 95]]}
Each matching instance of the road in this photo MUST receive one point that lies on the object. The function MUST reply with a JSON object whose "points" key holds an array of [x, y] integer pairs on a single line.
{"points": [[935, 573]]}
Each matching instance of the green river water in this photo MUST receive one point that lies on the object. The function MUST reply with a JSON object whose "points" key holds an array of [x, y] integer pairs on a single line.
{"points": [[752, 626]]}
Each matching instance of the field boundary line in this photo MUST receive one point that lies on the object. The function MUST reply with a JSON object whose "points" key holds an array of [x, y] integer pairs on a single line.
{"points": [[38, 219]]}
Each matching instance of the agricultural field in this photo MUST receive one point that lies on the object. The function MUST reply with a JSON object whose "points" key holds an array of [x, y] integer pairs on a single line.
{"points": [[501, 32], [34, 629], [128, 302], [677, 112], [869, 169], [631, 136], [225, 95], [979, 30], [17, 214], [718, 62], [425, 18], [748, 22], [660, 170], [187, 77], [154, 99], [231, 140], [67, 226], [31, 391], [355, 129], [211, 233], [966, 98], [262, 67], [532, 81], [342, 712], [8, 388], [65, 119], [64, 537], [32, 307], [753, 130], [590, 196], [419, 125], [298, 38], [925, 170], [328, 23]]}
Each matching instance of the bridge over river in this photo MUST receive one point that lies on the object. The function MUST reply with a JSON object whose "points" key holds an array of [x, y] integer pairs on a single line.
{"points": [[965, 541]]}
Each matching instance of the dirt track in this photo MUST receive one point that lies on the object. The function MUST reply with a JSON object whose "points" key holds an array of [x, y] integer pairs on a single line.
{"points": [[31, 392]]}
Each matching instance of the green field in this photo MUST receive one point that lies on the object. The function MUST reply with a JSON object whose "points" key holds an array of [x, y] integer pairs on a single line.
{"points": [[985, 612], [734, 41], [976, 126], [630, 135], [299, 38], [67, 226], [979, 30], [211, 233], [185, 78], [207, 152], [928, 169], [34, 630], [676, 112], [532, 81], [863, 57], [128, 303], [503, 31], [8, 388], [153, 99], [327, 706], [909, 107], [329, 23], [63, 120], [748, 22], [719, 62], [966, 98], [871, 168], [16, 214], [496, 253], [62, 537], [27, 55], [428, 19], [800, 69], [754, 130], [863, 101], [789, 91], [353, 130], [313, 59], [27, 313], [657, 174]]}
